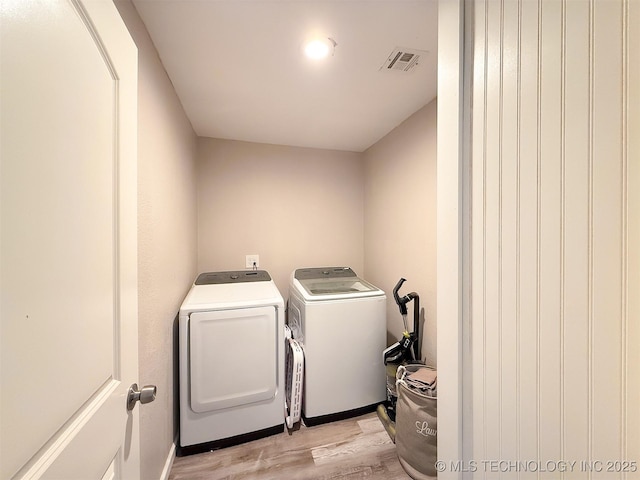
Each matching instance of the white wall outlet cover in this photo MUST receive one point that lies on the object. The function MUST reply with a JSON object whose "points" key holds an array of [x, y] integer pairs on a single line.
{"points": [[252, 261]]}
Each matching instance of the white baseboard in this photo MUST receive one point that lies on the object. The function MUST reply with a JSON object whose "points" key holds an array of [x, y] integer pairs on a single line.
{"points": [[169, 463]]}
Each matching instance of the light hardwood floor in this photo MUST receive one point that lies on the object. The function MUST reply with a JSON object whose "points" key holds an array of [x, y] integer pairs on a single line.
{"points": [[348, 449]]}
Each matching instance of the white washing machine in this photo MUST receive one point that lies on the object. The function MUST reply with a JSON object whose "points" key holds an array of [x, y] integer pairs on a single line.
{"points": [[340, 319], [231, 356]]}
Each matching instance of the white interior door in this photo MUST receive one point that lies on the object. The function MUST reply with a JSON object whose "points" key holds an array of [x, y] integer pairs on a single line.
{"points": [[67, 241]]}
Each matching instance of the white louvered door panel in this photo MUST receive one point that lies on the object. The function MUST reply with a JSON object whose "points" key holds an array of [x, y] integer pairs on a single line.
{"points": [[555, 240]]}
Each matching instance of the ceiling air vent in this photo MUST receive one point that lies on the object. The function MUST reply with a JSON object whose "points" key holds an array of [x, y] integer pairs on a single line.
{"points": [[403, 59]]}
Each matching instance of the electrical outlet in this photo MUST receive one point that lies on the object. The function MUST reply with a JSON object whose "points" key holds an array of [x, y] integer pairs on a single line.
{"points": [[252, 261]]}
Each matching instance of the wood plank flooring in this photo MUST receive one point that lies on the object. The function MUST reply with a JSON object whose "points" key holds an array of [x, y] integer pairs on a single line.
{"points": [[348, 449]]}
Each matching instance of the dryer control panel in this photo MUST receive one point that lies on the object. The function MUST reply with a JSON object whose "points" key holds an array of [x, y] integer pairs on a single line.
{"points": [[239, 276]]}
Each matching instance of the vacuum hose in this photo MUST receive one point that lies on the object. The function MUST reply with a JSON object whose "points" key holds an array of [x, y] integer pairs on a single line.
{"points": [[402, 305], [402, 302]]}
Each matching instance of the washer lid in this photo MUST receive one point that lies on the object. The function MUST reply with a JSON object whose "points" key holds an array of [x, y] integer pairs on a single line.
{"points": [[336, 286], [332, 283]]}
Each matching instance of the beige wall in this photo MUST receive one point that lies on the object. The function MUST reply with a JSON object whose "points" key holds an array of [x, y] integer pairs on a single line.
{"points": [[295, 207], [400, 219], [166, 236]]}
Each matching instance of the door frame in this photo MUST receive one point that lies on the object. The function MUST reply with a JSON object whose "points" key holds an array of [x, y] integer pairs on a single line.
{"points": [[452, 227]]}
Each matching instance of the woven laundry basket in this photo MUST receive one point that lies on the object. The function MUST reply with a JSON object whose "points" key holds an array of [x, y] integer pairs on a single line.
{"points": [[416, 422]]}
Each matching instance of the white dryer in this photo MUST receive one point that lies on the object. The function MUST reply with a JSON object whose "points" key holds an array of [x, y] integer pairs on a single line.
{"points": [[340, 319], [231, 356]]}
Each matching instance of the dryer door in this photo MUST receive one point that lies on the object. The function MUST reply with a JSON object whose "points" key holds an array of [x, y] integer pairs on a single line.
{"points": [[233, 357]]}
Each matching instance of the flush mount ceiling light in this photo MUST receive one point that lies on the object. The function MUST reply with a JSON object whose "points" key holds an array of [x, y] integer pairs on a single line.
{"points": [[320, 48]]}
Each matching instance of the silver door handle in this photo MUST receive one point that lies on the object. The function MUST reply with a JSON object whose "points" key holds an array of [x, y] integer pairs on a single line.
{"points": [[145, 395]]}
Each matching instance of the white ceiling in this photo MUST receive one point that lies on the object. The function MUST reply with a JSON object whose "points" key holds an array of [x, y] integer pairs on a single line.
{"points": [[238, 67]]}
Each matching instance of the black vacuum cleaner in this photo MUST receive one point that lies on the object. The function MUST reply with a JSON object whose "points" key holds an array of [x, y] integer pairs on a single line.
{"points": [[406, 350]]}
